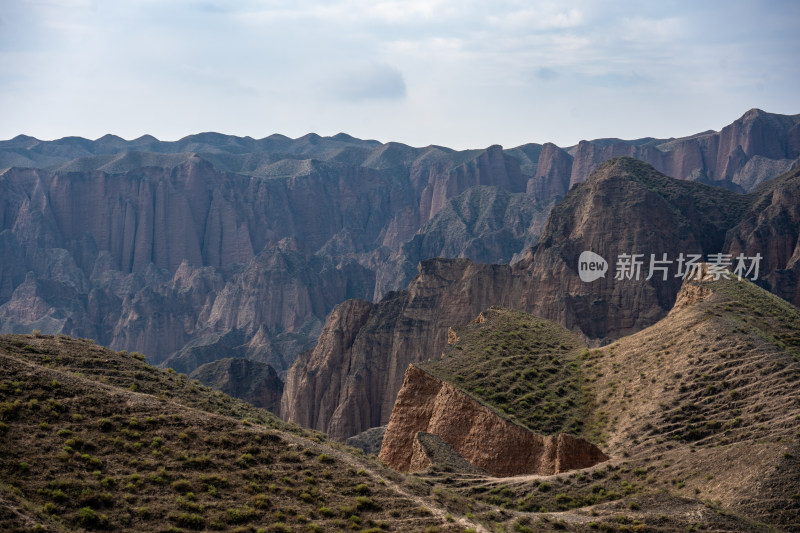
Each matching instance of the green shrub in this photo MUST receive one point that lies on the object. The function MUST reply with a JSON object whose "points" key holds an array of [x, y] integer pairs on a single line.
{"points": [[182, 485], [364, 502], [240, 516], [190, 520], [245, 459], [87, 517], [261, 501]]}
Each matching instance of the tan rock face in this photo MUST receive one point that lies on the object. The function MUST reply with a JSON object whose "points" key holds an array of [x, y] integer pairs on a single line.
{"points": [[476, 433], [348, 382], [609, 214], [740, 156]]}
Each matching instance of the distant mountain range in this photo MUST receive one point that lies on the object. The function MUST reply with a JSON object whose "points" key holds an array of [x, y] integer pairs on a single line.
{"points": [[217, 246]]}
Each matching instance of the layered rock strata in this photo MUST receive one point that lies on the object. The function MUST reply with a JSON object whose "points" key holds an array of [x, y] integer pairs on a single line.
{"points": [[478, 434]]}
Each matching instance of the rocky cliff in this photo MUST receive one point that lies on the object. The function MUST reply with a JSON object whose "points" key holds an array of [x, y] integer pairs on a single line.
{"points": [[364, 349], [485, 224], [626, 207], [771, 228], [254, 382], [189, 257], [216, 245], [737, 157], [475, 432]]}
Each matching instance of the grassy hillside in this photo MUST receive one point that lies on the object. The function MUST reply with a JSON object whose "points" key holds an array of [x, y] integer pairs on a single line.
{"points": [[525, 368], [700, 414], [99, 440]]}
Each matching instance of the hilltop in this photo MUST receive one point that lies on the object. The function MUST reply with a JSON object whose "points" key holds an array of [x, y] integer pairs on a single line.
{"points": [[699, 416], [348, 382], [524, 368], [95, 439], [699, 413]]}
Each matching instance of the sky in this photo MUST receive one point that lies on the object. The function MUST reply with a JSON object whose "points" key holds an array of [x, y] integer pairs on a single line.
{"points": [[457, 73]]}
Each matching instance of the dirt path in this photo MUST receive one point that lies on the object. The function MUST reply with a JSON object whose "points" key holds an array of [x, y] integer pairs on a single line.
{"points": [[436, 510]]}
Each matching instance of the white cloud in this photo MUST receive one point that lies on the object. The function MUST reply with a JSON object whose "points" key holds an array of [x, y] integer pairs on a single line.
{"points": [[367, 82], [453, 72], [541, 17]]}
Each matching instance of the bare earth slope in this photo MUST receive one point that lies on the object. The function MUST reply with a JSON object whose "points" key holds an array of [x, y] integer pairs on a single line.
{"points": [[344, 388], [713, 393], [699, 413], [94, 439]]}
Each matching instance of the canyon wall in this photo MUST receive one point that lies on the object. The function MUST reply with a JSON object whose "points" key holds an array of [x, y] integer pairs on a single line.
{"points": [[626, 207], [215, 245]]}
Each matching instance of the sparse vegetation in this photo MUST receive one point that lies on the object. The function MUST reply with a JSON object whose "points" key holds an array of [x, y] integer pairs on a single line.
{"points": [[189, 463], [524, 368], [685, 409]]}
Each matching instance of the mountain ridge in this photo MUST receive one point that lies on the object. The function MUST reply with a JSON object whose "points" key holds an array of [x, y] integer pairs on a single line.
{"points": [[701, 406], [97, 231], [611, 213]]}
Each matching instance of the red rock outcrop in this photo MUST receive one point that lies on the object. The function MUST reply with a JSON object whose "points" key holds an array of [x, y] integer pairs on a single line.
{"points": [[347, 383], [626, 207], [741, 156], [475, 432]]}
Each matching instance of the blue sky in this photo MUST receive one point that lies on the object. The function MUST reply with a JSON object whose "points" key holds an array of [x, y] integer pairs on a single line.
{"points": [[458, 73]]}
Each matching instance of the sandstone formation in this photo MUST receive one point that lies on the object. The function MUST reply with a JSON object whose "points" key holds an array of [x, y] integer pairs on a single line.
{"points": [[266, 236], [178, 255], [771, 228], [254, 382], [730, 158], [431, 452], [485, 224], [342, 386], [475, 432], [626, 207]]}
